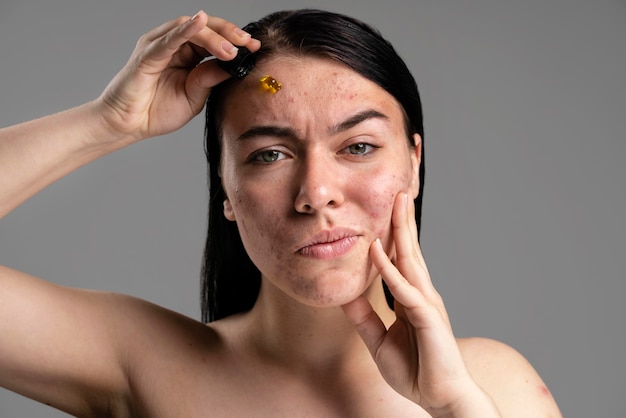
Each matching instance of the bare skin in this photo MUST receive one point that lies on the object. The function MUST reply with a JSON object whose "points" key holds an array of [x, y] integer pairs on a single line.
{"points": [[322, 344]]}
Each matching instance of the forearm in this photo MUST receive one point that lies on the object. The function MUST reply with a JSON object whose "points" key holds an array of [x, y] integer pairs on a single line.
{"points": [[162, 87], [35, 154]]}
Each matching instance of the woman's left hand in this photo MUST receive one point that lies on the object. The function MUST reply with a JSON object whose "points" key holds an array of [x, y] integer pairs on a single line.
{"points": [[418, 355]]}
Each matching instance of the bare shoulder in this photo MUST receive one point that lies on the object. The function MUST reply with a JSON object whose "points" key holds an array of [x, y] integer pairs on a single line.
{"points": [[512, 382]]}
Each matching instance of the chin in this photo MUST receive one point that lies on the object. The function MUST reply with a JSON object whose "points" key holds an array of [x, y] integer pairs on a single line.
{"points": [[331, 290]]}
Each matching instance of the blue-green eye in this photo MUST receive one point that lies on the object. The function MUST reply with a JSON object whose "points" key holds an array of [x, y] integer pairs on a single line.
{"points": [[359, 148], [268, 156]]}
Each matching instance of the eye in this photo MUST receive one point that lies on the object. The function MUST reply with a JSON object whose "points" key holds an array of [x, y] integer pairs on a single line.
{"points": [[268, 156], [360, 148]]}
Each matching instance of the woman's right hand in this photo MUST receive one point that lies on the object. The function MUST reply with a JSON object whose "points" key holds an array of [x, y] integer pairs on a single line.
{"points": [[165, 82]]}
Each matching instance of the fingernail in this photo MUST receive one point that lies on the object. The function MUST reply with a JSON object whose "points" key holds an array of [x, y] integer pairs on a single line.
{"points": [[228, 47], [196, 16], [242, 33]]}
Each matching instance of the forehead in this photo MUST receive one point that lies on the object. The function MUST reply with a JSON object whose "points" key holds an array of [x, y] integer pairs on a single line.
{"points": [[314, 90]]}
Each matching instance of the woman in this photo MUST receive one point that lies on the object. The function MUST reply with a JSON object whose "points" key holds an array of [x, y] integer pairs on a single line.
{"points": [[318, 183]]}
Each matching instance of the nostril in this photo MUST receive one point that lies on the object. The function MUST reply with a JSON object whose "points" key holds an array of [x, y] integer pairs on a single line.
{"points": [[319, 189]]}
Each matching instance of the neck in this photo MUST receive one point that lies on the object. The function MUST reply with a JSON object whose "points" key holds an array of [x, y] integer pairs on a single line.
{"points": [[307, 338]]}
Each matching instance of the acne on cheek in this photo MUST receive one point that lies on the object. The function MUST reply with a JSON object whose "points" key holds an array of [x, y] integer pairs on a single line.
{"points": [[381, 205]]}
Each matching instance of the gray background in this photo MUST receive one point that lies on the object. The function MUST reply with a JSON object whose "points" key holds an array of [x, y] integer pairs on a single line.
{"points": [[523, 221]]}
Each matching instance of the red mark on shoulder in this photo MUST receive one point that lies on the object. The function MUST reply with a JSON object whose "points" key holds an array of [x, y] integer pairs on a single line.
{"points": [[544, 391]]}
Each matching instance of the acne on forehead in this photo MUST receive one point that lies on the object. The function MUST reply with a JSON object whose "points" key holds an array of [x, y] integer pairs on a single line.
{"points": [[308, 86], [313, 73]]}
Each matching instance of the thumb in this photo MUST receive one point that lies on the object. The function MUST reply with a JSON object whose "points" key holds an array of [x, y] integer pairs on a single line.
{"points": [[200, 81], [366, 322]]}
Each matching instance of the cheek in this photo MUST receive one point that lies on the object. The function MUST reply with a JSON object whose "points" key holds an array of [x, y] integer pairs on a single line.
{"points": [[379, 196], [259, 223], [248, 210]]}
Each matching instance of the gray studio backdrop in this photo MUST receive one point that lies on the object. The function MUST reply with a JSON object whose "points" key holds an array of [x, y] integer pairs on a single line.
{"points": [[523, 225]]}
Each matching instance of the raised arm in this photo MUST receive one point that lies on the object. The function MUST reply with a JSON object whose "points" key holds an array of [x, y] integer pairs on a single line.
{"points": [[69, 347], [161, 88]]}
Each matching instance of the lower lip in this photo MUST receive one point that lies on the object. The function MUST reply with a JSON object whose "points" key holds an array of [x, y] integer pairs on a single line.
{"points": [[329, 250]]}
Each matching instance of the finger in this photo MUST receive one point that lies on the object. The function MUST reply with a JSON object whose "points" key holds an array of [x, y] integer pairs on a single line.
{"points": [[414, 234], [210, 33], [419, 305], [232, 32], [402, 290], [221, 38], [200, 82], [413, 223], [220, 35], [404, 235], [402, 231], [409, 258], [366, 322], [427, 288], [162, 29], [159, 51]]}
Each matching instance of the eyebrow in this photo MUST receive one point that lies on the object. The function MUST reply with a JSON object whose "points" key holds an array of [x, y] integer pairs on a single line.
{"points": [[275, 131], [356, 119], [285, 132]]}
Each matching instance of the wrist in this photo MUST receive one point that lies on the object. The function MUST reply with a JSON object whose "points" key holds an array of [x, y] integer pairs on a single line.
{"points": [[100, 134]]}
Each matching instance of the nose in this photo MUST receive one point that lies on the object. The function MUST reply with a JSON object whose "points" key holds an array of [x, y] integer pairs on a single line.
{"points": [[319, 186]]}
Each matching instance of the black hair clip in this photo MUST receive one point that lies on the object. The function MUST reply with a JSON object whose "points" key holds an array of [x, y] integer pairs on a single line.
{"points": [[241, 65]]}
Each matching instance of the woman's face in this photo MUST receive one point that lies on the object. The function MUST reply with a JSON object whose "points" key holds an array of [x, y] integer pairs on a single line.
{"points": [[311, 173]]}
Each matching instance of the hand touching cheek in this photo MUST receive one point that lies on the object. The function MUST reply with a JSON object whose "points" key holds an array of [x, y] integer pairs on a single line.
{"points": [[418, 355]]}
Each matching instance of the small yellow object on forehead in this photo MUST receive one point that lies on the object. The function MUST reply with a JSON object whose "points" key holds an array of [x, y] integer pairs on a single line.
{"points": [[269, 83]]}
